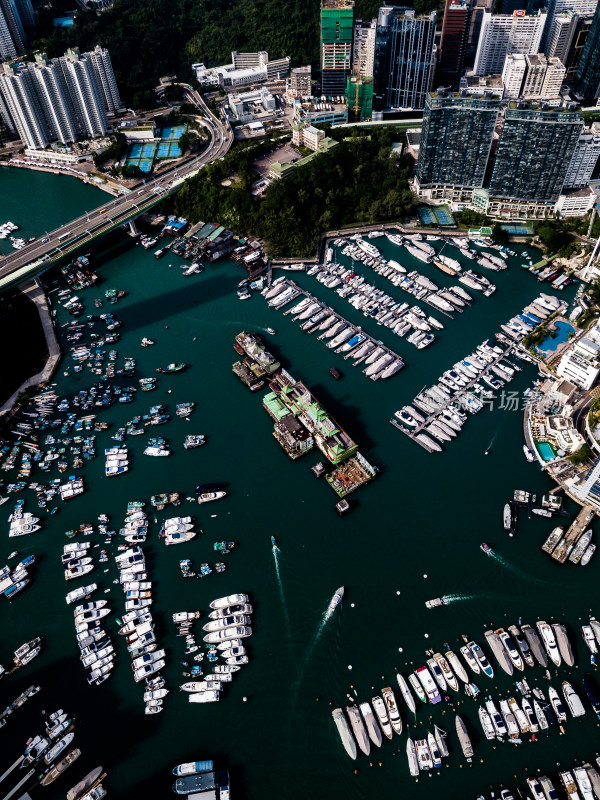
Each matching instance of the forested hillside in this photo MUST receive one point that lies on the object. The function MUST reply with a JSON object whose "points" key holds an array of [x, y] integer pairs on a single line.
{"points": [[151, 38]]}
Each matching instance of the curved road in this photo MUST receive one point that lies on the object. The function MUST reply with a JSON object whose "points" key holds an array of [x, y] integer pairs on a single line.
{"points": [[21, 264]]}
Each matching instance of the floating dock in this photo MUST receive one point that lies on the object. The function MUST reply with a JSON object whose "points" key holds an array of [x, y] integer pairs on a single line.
{"points": [[572, 536]]}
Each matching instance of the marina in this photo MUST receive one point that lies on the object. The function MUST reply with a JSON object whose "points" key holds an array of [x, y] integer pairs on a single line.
{"points": [[305, 669]]}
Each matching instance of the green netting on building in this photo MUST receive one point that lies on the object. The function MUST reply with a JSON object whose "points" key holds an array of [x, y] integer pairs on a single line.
{"points": [[336, 25], [359, 95]]}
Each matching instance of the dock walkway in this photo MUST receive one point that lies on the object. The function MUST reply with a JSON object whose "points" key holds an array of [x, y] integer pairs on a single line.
{"points": [[338, 316], [422, 428], [570, 539]]}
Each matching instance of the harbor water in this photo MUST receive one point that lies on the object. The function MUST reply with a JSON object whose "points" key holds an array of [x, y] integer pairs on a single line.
{"points": [[413, 534]]}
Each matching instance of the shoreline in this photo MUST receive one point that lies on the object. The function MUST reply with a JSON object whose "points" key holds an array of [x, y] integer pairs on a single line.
{"points": [[34, 292], [67, 171]]}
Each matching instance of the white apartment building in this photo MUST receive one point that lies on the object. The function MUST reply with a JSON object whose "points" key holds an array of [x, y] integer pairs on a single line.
{"points": [[106, 79], [581, 364], [60, 99], [554, 78], [513, 75], [559, 36], [584, 158], [506, 33], [532, 77], [363, 47]]}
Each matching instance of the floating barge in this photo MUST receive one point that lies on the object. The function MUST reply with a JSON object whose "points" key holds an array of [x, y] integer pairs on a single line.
{"points": [[350, 475]]}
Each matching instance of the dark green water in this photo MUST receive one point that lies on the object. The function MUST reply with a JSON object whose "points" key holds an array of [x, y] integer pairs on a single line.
{"points": [[413, 534]]}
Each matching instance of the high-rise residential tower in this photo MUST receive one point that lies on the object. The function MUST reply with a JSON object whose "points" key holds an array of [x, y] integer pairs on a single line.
{"points": [[337, 18], [404, 58], [59, 99], [534, 152], [502, 34], [456, 139]]}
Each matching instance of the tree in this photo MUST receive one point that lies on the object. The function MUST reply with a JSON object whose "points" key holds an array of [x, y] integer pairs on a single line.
{"points": [[499, 235], [581, 456]]}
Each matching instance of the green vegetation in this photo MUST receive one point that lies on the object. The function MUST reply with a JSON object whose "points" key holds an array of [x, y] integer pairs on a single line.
{"points": [[358, 182], [581, 456], [594, 416], [499, 235], [151, 38], [555, 237], [20, 322], [471, 219]]}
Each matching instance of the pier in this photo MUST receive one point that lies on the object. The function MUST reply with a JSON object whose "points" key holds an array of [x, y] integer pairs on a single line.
{"points": [[338, 316], [21, 699], [576, 530], [422, 428]]}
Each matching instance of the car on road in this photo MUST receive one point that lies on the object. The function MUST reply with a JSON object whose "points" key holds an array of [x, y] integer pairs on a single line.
{"points": [[45, 240]]}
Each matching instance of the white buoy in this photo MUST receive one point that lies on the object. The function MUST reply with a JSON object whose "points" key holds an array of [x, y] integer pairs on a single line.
{"points": [[351, 605], [349, 666], [424, 576], [397, 592], [245, 699], [400, 649], [427, 636]]}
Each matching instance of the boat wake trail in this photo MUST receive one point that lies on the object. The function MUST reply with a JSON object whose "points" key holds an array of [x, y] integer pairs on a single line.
{"points": [[457, 598], [286, 615], [515, 570]]}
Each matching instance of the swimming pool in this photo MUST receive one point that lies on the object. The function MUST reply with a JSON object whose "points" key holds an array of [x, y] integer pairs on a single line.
{"points": [[563, 329], [546, 451]]}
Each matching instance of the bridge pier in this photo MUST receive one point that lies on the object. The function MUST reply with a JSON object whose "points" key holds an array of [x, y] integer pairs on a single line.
{"points": [[133, 231]]}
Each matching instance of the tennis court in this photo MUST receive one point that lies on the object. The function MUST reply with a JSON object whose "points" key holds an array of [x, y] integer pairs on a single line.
{"points": [[172, 133], [518, 230], [142, 156], [168, 150], [426, 217], [444, 217]]}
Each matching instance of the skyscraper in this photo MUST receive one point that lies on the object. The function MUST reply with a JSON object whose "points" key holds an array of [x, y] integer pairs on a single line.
{"points": [[456, 139], [534, 152], [556, 7], [453, 43], [587, 80], [363, 47], [336, 44], [502, 34], [579, 34], [404, 58]]}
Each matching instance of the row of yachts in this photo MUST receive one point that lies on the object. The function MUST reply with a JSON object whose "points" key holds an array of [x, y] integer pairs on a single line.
{"points": [[436, 414], [513, 649], [470, 383], [97, 653], [425, 252], [137, 625], [340, 336], [415, 283], [580, 783], [229, 623]]}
